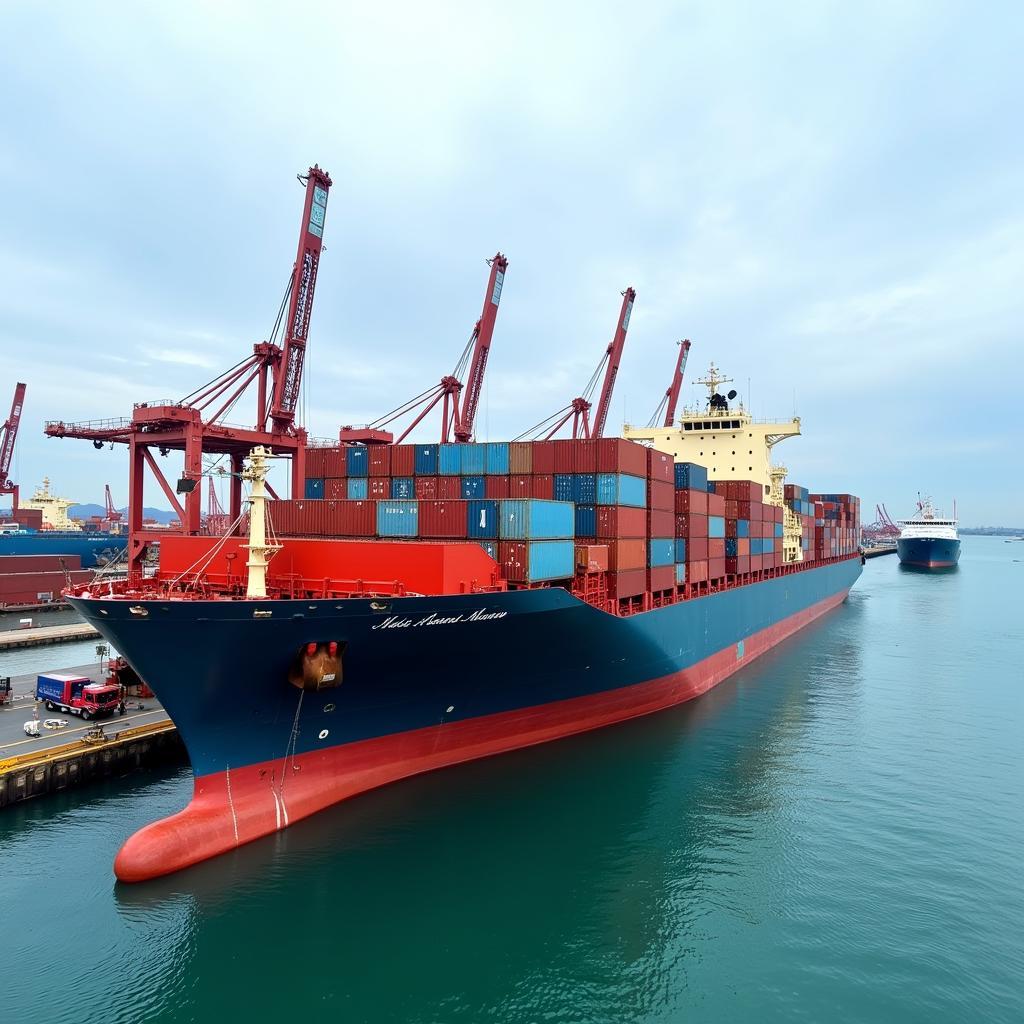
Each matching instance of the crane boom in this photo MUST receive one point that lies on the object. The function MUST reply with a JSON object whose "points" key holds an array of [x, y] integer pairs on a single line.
{"points": [[614, 358], [288, 372], [481, 341], [8, 436], [677, 382]]}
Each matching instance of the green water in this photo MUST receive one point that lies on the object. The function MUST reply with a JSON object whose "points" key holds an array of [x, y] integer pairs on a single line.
{"points": [[835, 834]]}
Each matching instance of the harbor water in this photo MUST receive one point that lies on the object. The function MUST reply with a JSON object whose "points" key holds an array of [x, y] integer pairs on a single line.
{"points": [[834, 834]]}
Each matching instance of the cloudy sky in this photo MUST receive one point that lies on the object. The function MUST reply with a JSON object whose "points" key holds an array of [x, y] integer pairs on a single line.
{"points": [[825, 197]]}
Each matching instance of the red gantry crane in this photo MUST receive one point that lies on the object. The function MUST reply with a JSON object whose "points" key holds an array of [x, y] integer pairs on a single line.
{"points": [[670, 399], [196, 425], [112, 516], [8, 437], [457, 421], [578, 410]]}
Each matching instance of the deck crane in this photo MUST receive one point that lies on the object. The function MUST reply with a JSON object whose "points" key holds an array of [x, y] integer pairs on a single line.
{"points": [[456, 421], [195, 425], [670, 399], [578, 410], [8, 437]]}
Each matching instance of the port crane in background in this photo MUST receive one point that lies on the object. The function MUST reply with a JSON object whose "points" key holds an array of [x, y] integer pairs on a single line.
{"points": [[578, 410], [882, 531], [670, 399], [8, 437], [112, 515], [457, 420], [196, 424], [217, 520]]}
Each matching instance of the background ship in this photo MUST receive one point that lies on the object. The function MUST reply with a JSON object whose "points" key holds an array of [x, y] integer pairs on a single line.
{"points": [[928, 541]]}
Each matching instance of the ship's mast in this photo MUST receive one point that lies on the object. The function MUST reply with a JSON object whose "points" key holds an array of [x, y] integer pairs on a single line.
{"points": [[260, 552]]}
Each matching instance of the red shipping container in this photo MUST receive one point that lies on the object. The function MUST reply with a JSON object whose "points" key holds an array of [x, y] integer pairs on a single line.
{"points": [[730, 527], [627, 584], [626, 554], [697, 572], [584, 457], [520, 457], [592, 557], [378, 486], [742, 545], [661, 578], [660, 466], [425, 486], [721, 487], [543, 457], [379, 459], [697, 549], [661, 495], [776, 513], [716, 547], [617, 455], [716, 505], [693, 525], [442, 518], [349, 518], [716, 568], [756, 563], [732, 508], [336, 489], [334, 463], [315, 462], [621, 521], [496, 487], [692, 501], [520, 486], [403, 460], [659, 523], [542, 486], [449, 487], [737, 564], [750, 490], [37, 563], [563, 455]]}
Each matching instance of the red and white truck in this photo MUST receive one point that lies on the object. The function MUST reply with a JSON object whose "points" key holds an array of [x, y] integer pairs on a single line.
{"points": [[79, 695]]}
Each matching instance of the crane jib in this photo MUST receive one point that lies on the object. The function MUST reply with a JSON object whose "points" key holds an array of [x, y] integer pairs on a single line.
{"points": [[499, 280], [625, 319]]}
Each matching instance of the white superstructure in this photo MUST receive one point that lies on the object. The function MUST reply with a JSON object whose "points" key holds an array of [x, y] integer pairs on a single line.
{"points": [[928, 524]]}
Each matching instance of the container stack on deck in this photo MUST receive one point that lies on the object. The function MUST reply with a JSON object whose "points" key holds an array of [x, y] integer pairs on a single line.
{"points": [[622, 522]]}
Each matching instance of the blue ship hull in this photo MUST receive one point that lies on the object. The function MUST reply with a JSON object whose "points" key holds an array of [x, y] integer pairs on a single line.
{"points": [[927, 553], [424, 682], [94, 549]]}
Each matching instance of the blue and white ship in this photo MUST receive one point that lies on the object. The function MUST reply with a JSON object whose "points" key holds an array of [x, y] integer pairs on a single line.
{"points": [[928, 541]]}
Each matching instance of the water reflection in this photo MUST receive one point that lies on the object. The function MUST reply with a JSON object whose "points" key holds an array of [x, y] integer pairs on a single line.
{"points": [[571, 878]]}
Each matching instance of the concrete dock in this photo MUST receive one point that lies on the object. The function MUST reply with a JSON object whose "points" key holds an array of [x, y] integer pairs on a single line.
{"points": [[77, 752], [37, 636], [882, 549]]}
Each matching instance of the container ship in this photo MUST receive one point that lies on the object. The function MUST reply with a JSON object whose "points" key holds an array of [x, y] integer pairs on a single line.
{"points": [[928, 541], [415, 606]]}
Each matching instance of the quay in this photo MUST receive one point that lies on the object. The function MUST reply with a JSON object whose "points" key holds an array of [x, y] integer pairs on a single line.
{"points": [[880, 549], [40, 635], [80, 751]]}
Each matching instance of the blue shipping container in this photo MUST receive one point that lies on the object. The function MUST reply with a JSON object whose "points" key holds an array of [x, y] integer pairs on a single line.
{"points": [[497, 458], [680, 572], [358, 487], [449, 459], [535, 518], [742, 527], [563, 487], [710, 487], [474, 459], [778, 529], [586, 521], [680, 549], [398, 518], [402, 487], [690, 476], [425, 460], [716, 526], [472, 487], [357, 461], [491, 547], [621, 489], [550, 560], [730, 547], [314, 487], [661, 551], [482, 518], [584, 487]]}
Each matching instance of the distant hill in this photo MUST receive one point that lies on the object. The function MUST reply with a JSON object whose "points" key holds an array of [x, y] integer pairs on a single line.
{"points": [[87, 510]]}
